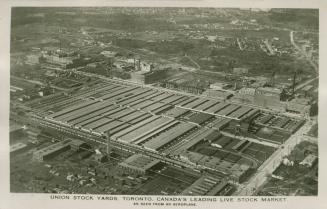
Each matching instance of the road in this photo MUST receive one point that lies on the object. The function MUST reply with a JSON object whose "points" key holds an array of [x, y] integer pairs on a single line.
{"points": [[266, 143], [273, 162], [195, 63], [302, 85], [308, 58]]}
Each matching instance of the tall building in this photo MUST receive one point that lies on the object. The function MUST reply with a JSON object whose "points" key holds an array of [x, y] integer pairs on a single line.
{"points": [[266, 97], [57, 60], [246, 95], [269, 97], [138, 164]]}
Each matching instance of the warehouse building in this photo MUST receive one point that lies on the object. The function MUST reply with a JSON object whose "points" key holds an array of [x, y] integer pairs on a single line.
{"points": [[78, 145], [280, 123], [246, 116], [190, 86], [217, 94], [236, 167], [168, 136], [51, 151], [55, 59], [269, 97], [18, 148], [33, 134], [245, 95], [138, 164], [241, 172], [208, 186]]}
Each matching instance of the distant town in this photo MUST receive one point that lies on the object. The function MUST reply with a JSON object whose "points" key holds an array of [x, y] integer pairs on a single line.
{"points": [[164, 101]]}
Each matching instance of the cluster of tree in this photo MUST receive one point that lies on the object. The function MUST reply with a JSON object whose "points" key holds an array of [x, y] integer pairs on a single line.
{"points": [[296, 18], [119, 21], [164, 47], [258, 62]]}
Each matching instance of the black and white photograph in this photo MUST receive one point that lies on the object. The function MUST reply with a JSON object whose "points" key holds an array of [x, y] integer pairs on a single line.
{"points": [[164, 101], [163, 104]]}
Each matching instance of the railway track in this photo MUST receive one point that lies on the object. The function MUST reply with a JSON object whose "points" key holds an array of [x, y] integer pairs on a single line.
{"points": [[39, 121]]}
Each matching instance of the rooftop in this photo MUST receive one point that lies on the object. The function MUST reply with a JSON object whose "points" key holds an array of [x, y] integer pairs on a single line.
{"points": [[15, 127], [249, 91], [52, 148], [205, 185], [77, 142], [139, 162], [270, 90], [17, 146]]}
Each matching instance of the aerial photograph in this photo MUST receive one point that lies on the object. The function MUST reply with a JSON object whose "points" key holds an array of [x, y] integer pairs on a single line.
{"points": [[164, 101]]}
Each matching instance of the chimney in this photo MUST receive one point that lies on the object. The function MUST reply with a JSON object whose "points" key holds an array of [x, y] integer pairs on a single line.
{"points": [[139, 64], [134, 63]]}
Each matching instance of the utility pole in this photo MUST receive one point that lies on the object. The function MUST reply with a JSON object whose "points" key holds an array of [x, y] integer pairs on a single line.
{"points": [[294, 82], [60, 34], [108, 141]]}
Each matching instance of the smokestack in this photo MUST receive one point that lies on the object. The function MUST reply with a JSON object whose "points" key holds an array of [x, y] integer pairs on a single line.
{"points": [[134, 63], [139, 64]]}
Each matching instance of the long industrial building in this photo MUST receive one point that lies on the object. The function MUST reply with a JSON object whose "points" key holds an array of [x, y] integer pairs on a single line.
{"points": [[138, 164], [159, 121], [208, 185]]}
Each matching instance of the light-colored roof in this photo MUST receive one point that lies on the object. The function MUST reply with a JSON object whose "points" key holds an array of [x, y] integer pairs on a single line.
{"points": [[15, 127], [270, 90], [52, 148], [249, 91], [17, 146], [139, 162]]}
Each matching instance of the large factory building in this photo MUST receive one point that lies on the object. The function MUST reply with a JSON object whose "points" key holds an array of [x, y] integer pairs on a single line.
{"points": [[51, 151], [266, 97], [138, 164]]}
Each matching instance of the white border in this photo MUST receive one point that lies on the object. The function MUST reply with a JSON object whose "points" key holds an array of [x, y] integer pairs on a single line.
{"points": [[42, 201]]}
